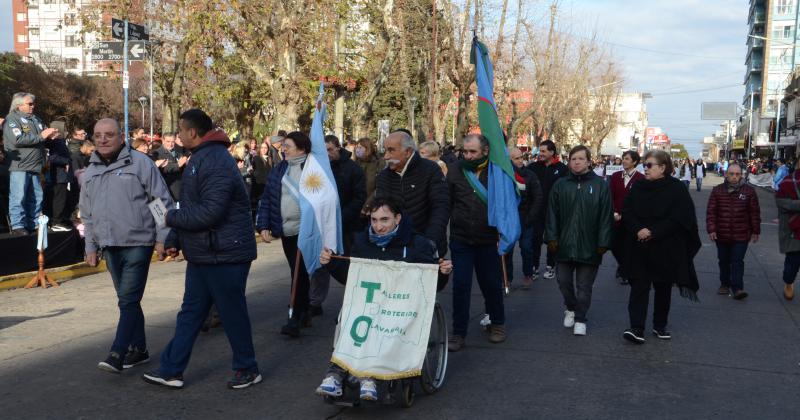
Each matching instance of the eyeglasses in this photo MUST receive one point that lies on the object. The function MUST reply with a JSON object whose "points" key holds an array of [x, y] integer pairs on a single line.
{"points": [[649, 165]]}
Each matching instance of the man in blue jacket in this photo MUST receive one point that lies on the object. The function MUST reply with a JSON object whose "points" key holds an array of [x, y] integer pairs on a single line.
{"points": [[215, 232]]}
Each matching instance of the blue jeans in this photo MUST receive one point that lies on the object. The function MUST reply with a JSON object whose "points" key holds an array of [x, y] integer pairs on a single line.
{"points": [[731, 264], [791, 264], [128, 266], [24, 199], [699, 182], [526, 250], [484, 261], [223, 285]]}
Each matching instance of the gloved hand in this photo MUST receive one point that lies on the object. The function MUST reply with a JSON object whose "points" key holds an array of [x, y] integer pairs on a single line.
{"points": [[601, 251], [552, 246]]}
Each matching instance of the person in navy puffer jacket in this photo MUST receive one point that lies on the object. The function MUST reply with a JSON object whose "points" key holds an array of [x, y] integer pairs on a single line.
{"points": [[214, 230]]}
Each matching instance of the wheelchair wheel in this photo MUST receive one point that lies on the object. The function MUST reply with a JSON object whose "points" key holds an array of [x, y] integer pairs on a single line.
{"points": [[435, 364], [407, 394]]}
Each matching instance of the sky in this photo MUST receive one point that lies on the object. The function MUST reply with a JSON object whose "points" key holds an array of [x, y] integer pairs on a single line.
{"points": [[6, 29], [683, 52]]}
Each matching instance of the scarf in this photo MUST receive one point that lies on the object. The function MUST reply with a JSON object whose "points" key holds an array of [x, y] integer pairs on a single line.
{"points": [[382, 240], [470, 168], [474, 165]]}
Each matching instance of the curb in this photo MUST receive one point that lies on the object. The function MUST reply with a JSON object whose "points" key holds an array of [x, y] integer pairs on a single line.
{"points": [[57, 274], [62, 274]]}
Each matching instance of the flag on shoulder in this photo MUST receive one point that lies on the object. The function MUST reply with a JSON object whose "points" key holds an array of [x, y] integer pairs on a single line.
{"points": [[320, 214], [503, 194]]}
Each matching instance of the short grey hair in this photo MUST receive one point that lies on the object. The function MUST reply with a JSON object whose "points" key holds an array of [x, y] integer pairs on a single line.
{"points": [[480, 137], [431, 147], [406, 140], [19, 99]]}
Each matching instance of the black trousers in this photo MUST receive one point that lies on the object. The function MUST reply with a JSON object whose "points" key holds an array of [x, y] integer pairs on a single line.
{"points": [[303, 282], [618, 247], [57, 204], [640, 298]]}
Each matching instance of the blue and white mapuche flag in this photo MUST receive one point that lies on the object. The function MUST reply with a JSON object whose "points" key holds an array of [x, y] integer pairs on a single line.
{"points": [[320, 214]]}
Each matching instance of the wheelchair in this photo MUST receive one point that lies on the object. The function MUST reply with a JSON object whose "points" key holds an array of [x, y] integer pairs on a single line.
{"points": [[402, 391]]}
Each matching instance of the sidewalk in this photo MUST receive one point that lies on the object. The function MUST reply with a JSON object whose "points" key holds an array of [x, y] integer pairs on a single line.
{"points": [[727, 360]]}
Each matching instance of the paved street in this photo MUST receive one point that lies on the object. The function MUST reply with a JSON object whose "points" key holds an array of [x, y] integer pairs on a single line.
{"points": [[727, 359]]}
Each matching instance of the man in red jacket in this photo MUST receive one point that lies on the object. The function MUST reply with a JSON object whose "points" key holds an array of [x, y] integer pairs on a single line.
{"points": [[733, 218], [621, 183]]}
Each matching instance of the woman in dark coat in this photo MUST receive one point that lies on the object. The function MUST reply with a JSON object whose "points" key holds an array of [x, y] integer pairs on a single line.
{"points": [[661, 242]]}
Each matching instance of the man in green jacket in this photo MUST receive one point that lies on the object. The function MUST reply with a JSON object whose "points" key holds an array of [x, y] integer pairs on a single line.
{"points": [[578, 230]]}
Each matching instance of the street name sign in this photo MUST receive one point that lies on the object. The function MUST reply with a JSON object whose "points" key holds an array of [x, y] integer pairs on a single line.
{"points": [[112, 51], [135, 32]]}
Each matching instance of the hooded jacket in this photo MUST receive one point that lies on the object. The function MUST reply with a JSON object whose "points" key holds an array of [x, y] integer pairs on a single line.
{"points": [[213, 224], [23, 142]]}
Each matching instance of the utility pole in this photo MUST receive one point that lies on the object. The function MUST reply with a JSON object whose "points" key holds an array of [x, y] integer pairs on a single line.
{"points": [[125, 81], [750, 125], [432, 95]]}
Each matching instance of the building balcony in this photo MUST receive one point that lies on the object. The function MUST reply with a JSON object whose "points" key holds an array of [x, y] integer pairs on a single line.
{"points": [[756, 16]]}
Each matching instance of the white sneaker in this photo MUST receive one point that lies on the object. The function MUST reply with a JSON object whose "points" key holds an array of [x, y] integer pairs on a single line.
{"points": [[569, 319], [369, 390], [330, 386], [485, 321], [550, 273], [580, 328]]}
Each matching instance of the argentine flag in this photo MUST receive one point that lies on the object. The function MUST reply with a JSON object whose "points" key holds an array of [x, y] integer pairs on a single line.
{"points": [[320, 214]]}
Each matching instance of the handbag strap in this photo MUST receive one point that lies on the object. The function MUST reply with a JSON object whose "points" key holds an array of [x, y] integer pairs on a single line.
{"points": [[796, 190]]}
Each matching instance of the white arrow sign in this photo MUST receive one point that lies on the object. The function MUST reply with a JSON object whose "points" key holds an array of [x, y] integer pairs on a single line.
{"points": [[118, 29], [137, 50]]}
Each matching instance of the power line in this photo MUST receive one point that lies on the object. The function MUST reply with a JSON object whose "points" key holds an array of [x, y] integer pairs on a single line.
{"points": [[705, 57], [700, 81], [696, 90]]}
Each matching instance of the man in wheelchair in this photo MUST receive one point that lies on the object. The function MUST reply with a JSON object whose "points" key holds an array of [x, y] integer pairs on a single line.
{"points": [[389, 237]]}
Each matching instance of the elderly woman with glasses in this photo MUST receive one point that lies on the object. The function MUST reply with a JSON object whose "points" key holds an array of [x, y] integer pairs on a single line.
{"points": [[662, 240]]}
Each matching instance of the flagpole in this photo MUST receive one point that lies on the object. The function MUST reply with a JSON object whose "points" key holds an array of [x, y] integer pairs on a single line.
{"points": [[505, 273], [294, 282]]}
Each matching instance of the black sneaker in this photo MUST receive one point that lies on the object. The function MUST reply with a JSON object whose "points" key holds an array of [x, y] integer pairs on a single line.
{"points": [[155, 377], [662, 334], [315, 310], [292, 328], [634, 335], [243, 378], [135, 357], [19, 232], [113, 363]]}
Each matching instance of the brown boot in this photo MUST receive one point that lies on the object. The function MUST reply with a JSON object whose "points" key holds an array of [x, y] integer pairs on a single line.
{"points": [[455, 343], [723, 290], [788, 291], [497, 333]]}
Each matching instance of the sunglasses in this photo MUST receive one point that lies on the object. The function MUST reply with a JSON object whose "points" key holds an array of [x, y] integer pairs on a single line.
{"points": [[649, 165]]}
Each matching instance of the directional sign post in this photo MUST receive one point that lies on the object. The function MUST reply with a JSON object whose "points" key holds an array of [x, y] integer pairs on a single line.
{"points": [[135, 32], [112, 51]]}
